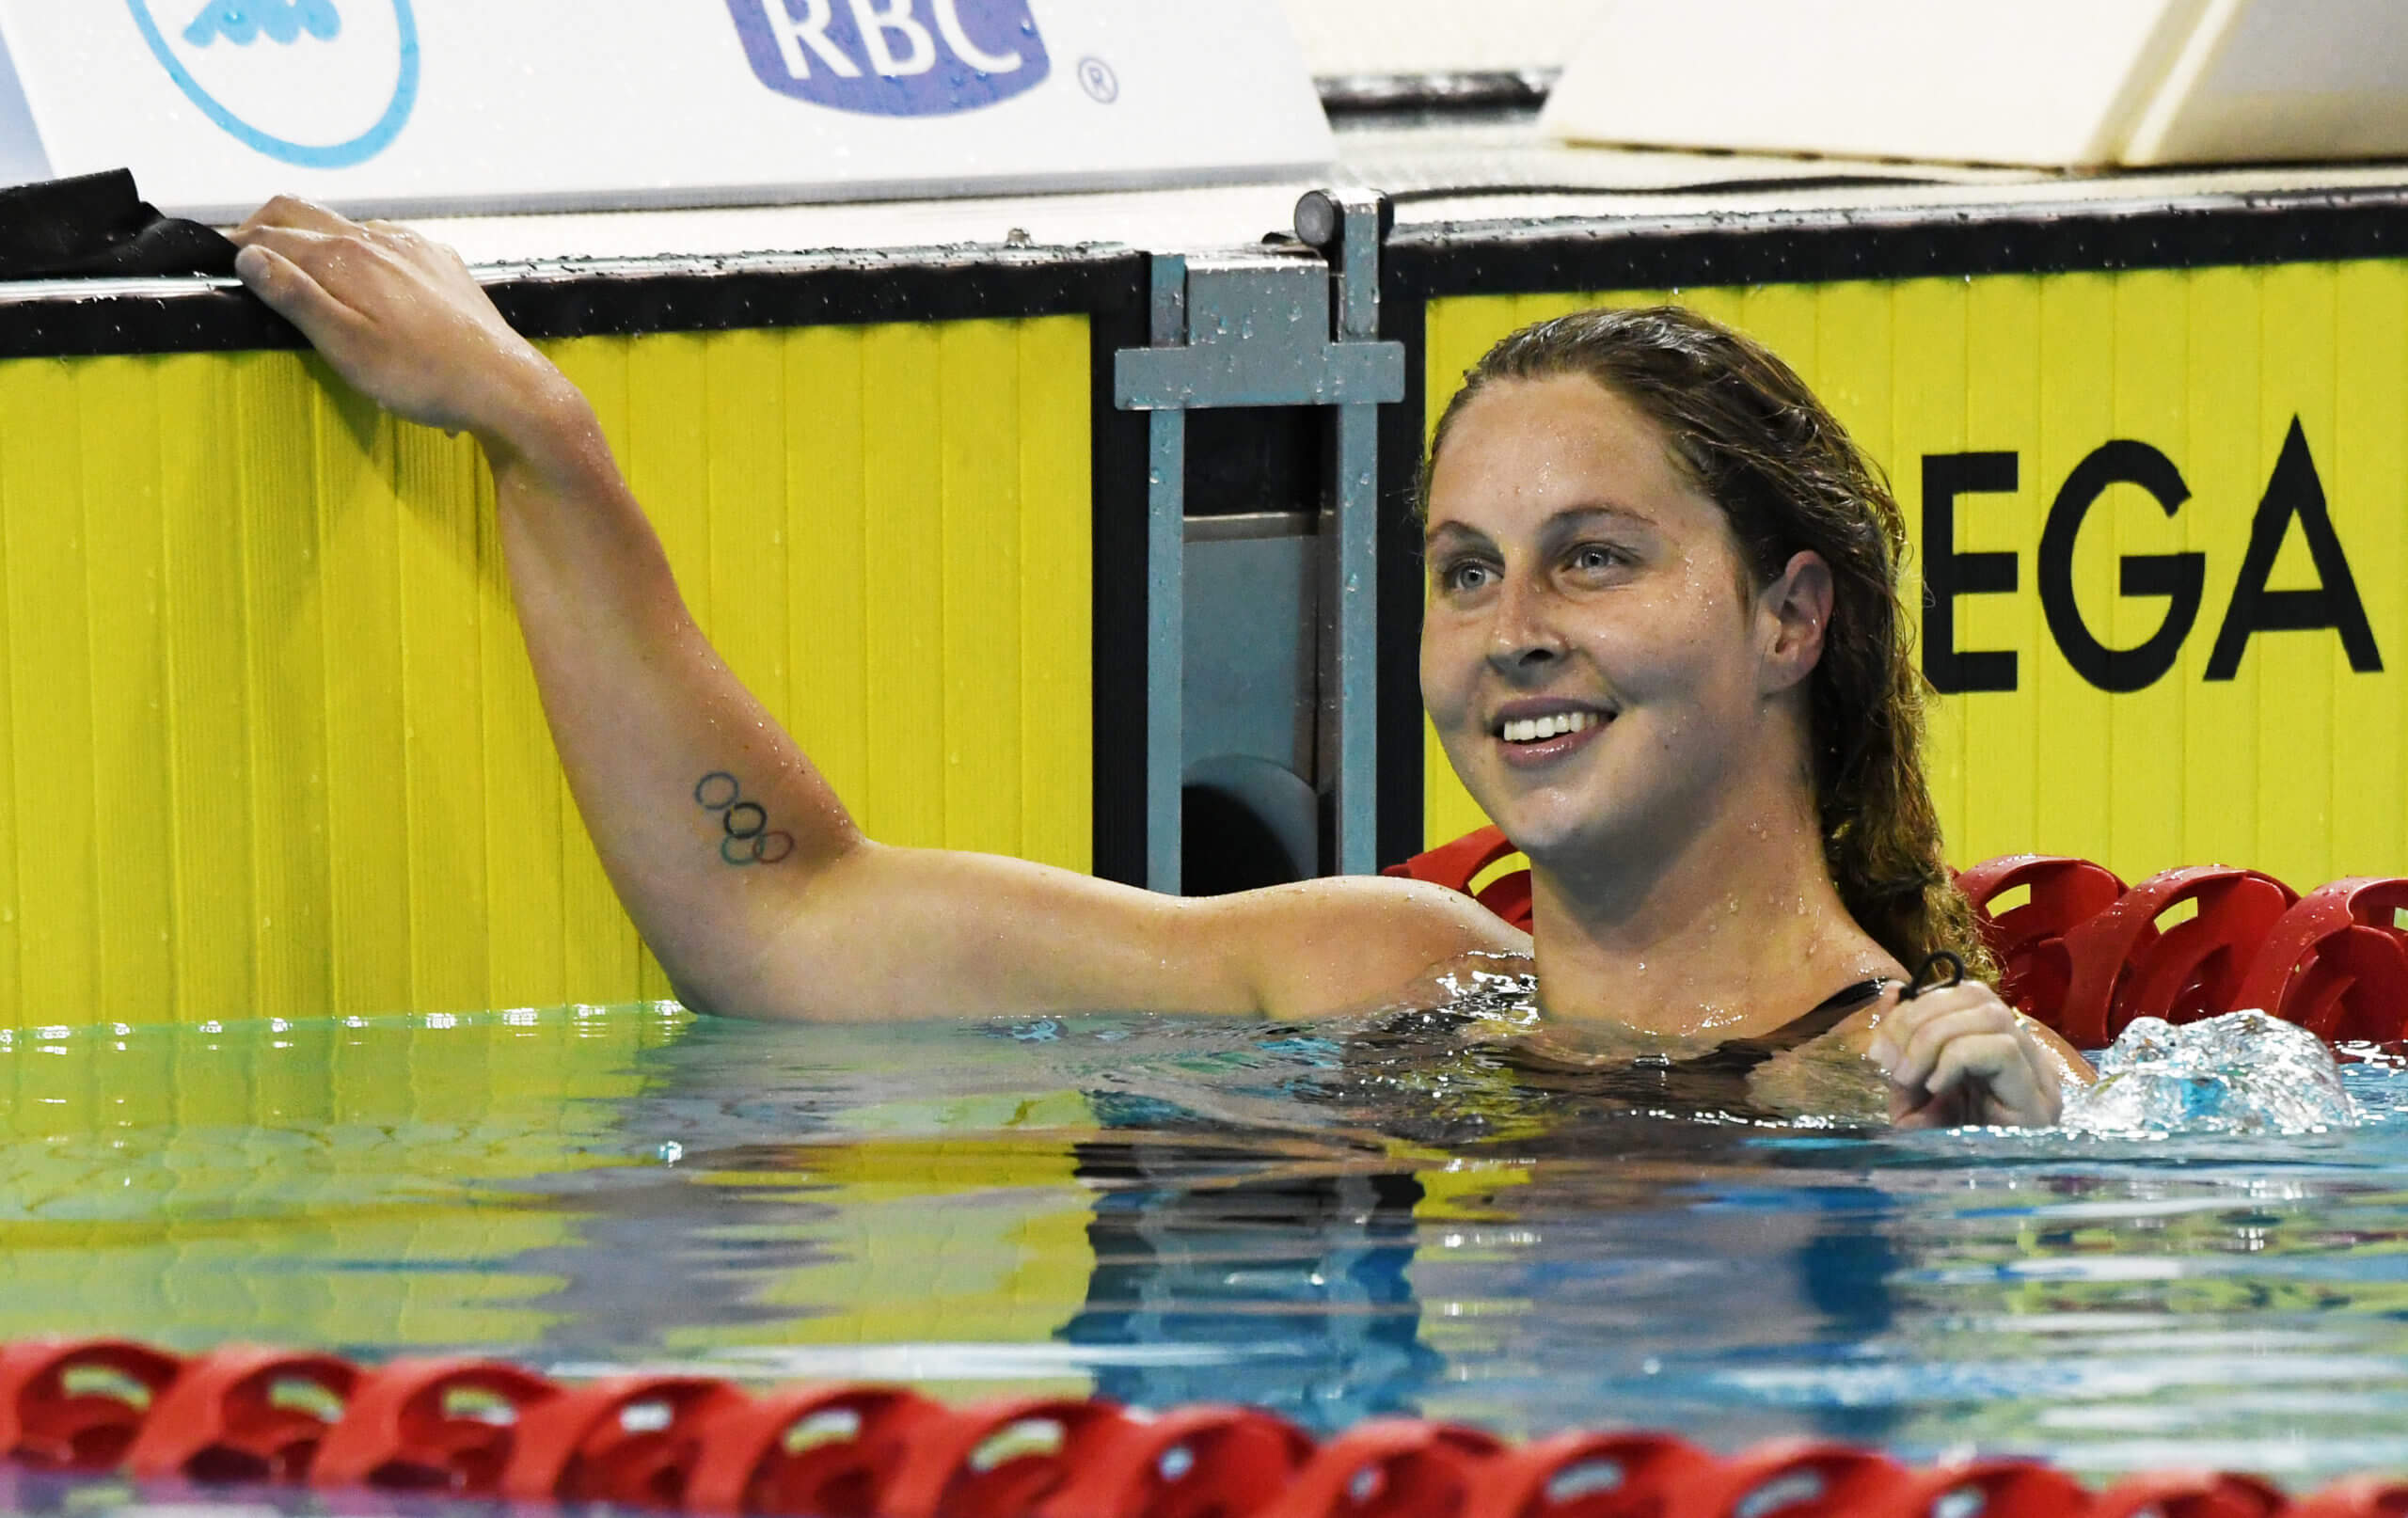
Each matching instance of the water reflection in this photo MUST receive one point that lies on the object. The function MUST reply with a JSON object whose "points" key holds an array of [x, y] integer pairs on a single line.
{"points": [[1300, 1283], [1168, 1211]]}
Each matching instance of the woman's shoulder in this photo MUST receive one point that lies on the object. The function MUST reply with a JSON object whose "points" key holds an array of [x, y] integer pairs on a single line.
{"points": [[1356, 943]]}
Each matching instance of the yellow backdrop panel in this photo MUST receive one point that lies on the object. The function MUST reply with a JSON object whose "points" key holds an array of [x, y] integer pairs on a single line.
{"points": [[2292, 764], [268, 743]]}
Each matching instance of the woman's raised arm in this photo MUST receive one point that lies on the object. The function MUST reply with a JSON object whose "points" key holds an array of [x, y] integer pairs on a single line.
{"points": [[740, 867]]}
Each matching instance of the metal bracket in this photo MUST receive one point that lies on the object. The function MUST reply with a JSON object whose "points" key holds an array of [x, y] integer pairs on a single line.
{"points": [[1258, 330], [1258, 333]]}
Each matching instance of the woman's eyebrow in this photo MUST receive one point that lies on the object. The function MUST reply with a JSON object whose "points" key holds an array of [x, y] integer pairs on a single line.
{"points": [[1570, 519], [1576, 515]]}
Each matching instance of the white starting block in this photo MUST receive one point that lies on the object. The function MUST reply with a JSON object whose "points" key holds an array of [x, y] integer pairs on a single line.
{"points": [[2050, 82], [418, 106]]}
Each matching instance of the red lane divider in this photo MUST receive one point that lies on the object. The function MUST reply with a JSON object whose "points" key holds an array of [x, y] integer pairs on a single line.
{"points": [[486, 1429], [2085, 955]]}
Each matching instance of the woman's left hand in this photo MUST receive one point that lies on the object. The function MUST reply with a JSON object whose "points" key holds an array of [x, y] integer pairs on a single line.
{"points": [[1958, 1055]]}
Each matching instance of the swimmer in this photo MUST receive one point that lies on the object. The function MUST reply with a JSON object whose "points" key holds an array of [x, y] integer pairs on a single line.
{"points": [[1663, 647]]}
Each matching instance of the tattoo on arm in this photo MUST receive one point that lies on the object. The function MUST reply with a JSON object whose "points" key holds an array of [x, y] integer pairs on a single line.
{"points": [[748, 837]]}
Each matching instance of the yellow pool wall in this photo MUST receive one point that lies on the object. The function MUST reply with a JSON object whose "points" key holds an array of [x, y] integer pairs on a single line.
{"points": [[268, 742]]}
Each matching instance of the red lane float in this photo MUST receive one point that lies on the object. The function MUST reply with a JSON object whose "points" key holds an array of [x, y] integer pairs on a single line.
{"points": [[633, 1440], [439, 1426], [2189, 1495], [1588, 1476], [2029, 940], [2336, 963], [994, 1460], [1389, 1468], [77, 1407], [486, 1429], [1193, 1462], [831, 1450], [2357, 1496], [243, 1414], [1992, 1488]]}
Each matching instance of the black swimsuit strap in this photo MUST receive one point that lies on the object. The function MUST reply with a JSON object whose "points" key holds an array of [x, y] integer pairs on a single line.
{"points": [[1741, 1056]]}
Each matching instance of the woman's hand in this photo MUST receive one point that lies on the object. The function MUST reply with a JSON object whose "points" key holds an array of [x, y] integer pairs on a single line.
{"points": [[400, 318], [1958, 1055]]}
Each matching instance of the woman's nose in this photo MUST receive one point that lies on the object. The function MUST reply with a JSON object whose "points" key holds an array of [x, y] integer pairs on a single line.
{"points": [[1523, 635]]}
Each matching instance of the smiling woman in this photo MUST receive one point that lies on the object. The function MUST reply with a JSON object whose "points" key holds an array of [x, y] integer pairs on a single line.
{"points": [[1666, 665], [1727, 468]]}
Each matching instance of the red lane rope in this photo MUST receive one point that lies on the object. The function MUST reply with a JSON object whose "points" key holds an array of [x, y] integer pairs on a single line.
{"points": [[486, 1429]]}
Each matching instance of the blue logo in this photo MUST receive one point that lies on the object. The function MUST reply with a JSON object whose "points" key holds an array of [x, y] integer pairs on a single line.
{"points": [[295, 79], [284, 20], [894, 57]]}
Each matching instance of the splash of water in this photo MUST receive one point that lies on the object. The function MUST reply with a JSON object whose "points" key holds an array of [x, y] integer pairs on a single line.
{"points": [[2244, 1072]]}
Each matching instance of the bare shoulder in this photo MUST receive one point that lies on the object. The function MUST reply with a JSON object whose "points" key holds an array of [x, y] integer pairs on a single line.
{"points": [[1319, 948]]}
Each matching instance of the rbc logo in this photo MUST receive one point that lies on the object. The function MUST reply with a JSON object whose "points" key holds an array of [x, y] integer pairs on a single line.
{"points": [[894, 57], [325, 84]]}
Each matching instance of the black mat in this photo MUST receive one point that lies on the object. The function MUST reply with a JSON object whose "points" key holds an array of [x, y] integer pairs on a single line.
{"points": [[99, 224]]}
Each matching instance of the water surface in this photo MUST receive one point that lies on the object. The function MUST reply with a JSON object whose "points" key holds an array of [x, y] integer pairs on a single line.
{"points": [[1161, 1211]]}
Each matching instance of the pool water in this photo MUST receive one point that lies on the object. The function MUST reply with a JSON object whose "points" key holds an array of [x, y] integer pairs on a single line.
{"points": [[1163, 1210]]}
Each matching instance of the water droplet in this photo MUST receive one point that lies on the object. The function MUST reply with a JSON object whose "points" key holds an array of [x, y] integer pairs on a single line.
{"points": [[671, 1151]]}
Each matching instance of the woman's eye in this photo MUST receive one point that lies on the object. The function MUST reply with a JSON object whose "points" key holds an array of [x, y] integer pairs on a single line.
{"points": [[1461, 578], [1595, 558]]}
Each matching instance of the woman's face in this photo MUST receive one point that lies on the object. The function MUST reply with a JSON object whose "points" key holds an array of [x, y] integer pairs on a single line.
{"points": [[1590, 657]]}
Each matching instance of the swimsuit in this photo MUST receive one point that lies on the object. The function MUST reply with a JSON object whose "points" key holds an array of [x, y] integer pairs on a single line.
{"points": [[1737, 1060], [1716, 1081]]}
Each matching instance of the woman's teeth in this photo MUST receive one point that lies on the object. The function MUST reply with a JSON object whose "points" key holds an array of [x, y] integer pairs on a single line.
{"points": [[1539, 729]]}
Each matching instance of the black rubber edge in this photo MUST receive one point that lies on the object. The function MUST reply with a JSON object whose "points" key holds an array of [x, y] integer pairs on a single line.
{"points": [[1399, 826], [1118, 493], [1740, 247], [617, 298], [1484, 90]]}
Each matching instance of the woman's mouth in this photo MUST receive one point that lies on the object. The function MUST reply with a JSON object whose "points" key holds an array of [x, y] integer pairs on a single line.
{"points": [[1541, 739]]}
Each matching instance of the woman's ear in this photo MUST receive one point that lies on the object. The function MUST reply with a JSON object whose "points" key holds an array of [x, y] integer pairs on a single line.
{"points": [[1794, 610]]}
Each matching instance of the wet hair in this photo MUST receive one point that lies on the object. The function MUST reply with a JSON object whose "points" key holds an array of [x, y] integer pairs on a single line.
{"points": [[1749, 434]]}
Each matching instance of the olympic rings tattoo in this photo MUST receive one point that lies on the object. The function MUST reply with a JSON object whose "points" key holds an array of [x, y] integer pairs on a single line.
{"points": [[750, 839]]}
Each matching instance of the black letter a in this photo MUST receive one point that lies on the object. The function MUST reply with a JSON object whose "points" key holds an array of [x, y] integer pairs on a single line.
{"points": [[2294, 492]]}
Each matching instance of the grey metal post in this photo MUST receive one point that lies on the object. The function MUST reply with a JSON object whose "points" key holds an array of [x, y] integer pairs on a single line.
{"points": [[1165, 595], [1255, 328], [1357, 555]]}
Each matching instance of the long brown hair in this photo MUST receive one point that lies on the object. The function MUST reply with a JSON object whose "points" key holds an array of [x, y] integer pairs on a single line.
{"points": [[1752, 437]]}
